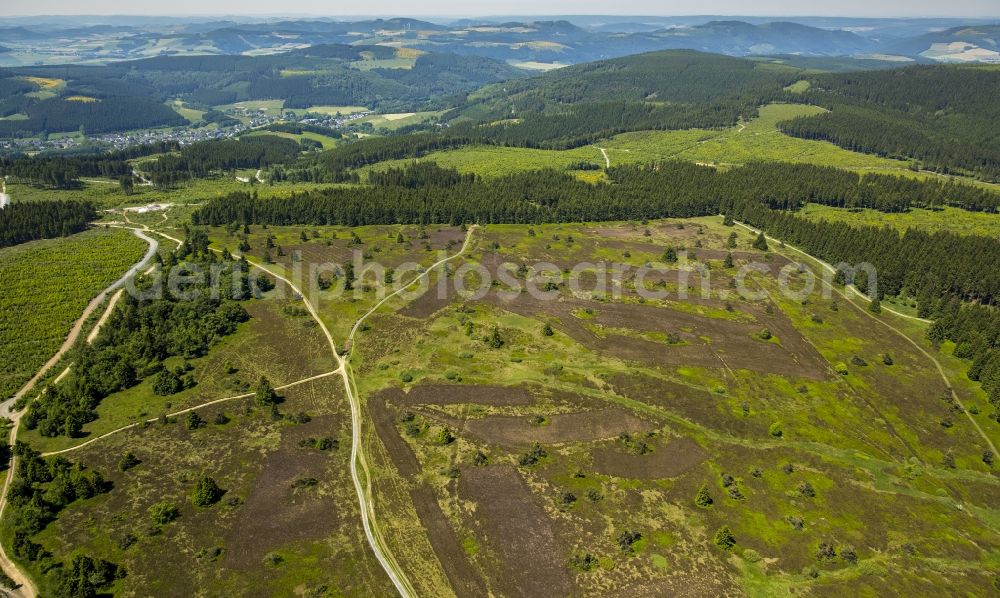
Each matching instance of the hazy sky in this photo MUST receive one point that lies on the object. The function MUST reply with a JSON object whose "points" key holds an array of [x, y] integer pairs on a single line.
{"points": [[337, 8]]}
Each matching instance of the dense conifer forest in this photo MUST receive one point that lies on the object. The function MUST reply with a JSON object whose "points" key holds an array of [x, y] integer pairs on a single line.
{"points": [[934, 114], [28, 221]]}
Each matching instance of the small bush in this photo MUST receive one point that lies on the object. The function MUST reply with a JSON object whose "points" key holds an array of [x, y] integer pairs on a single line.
{"points": [[206, 492], [128, 461], [533, 456], [627, 539], [724, 538], [163, 513], [703, 499]]}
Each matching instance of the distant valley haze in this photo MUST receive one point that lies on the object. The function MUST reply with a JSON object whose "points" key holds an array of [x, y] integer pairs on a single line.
{"points": [[451, 8]]}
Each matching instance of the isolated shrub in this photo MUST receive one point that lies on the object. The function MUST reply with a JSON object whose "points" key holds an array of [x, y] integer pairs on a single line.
{"points": [[533, 456], [775, 430], [724, 538], [163, 512], [480, 459], [858, 361], [273, 558], [887, 359], [841, 368], [765, 334], [806, 490], [750, 555], [760, 243], [406, 377], [547, 330], [128, 461], [193, 421], [585, 562], [264, 395], [206, 492], [127, 541], [826, 551], [703, 498], [167, 382], [444, 436], [849, 555], [494, 340], [627, 539]]}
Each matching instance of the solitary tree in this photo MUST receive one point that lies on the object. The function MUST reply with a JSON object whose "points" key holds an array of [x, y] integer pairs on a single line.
{"points": [[670, 255], [206, 492], [724, 538], [728, 262], [265, 396], [495, 341], [547, 330], [703, 499], [349, 277], [760, 243]]}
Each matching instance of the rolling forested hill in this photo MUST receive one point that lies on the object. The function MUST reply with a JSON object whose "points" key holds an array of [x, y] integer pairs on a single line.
{"points": [[131, 95], [942, 116]]}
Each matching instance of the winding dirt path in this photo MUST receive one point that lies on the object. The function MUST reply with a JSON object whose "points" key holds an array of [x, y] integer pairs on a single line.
{"points": [[183, 411]]}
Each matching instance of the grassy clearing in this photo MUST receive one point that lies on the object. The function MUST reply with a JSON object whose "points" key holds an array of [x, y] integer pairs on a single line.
{"points": [[271, 107], [799, 86], [947, 219], [333, 110], [384, 63], [395, 121], [47, 284], [327, 142], [105, 193], [494, 161], [758, 139], [190, 114]]}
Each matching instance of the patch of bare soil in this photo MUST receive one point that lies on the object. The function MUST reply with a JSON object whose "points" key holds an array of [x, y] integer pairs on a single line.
{"points": [[436, 297], [462, 575], [450, 394], [515, 528], [730, 344], [669, 461], [384, 418], [699, 406], [274, 513], [513, 431]]}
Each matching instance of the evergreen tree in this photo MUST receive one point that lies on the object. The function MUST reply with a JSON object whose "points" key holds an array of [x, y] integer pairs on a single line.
{"points": [[760, 243]]}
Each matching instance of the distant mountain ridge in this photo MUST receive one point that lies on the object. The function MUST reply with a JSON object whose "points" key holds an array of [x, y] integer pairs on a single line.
{"points": [[534, 42]]}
